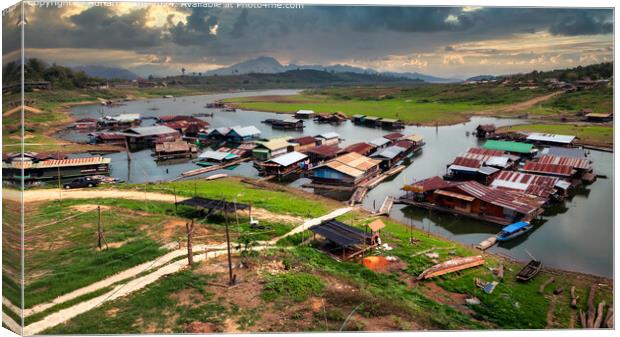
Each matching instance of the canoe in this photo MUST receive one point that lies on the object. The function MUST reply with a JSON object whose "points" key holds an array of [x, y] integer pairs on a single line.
{"points": [[451, 266], [529, 271], [512, 231]]}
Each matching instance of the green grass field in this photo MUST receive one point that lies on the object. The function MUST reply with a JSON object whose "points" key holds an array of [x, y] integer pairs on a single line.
{"points": [[591, 134], [599, 99], [426, 104]]}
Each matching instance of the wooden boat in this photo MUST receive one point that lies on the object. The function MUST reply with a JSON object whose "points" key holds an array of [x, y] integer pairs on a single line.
{"points": [[451, 266], [529, 271], [512, 231]]}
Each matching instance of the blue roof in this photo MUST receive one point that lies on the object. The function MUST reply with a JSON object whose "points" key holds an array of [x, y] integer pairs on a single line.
{"points": [[515, 227]]}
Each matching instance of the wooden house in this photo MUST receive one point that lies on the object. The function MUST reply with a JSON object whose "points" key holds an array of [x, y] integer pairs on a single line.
{"points": [[484, 131], [304, 114], [347, 171], [391, 124], [148, 136], [321, 153], [242, 134], [599, 117], [35, 169], [328, 138], [284, 164], [173, 150], [265, 150], [109, 138], [288, 124], [302, 144], [85, 124], [120, 121], [362, 148]]}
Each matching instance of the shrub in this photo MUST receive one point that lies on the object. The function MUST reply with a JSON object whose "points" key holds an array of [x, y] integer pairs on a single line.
{"points": [[293, 286]]}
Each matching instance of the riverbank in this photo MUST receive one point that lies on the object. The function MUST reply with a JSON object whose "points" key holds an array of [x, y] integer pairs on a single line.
{"points": [[391, 297], [597, 136]]}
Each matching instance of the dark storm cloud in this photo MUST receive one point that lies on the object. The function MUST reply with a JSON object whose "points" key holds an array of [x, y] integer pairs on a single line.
{"points": [[583, 23], [240, 25]]}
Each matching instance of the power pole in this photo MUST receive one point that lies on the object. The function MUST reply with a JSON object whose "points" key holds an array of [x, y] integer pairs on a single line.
{"points": [[100, 238], [190, 233], [231, 278]]}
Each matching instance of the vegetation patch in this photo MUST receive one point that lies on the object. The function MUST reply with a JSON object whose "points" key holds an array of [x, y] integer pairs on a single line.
{"points": [[293, 286]]}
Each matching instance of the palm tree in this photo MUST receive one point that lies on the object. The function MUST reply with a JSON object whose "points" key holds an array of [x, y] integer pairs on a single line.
{"points": [[183, 71]]}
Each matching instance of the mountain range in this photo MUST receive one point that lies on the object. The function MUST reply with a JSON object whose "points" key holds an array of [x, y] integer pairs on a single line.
{"points": [[107, 72], [269, 65]]}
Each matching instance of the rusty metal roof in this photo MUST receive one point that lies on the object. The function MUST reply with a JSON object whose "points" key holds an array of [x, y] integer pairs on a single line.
{"points": [[467, 162], [538, 185], [578, 163], [361, 148], [487, 152], [52, 163], [428, 184], [393, 136], [325, 150], [516, 201], [560, 170]]}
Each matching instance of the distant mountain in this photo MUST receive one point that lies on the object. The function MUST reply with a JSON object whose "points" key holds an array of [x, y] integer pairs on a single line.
{"points": [[269, 65], [481, 78], [107, 72]]}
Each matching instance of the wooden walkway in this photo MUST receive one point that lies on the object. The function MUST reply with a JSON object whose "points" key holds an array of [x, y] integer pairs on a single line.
{"points": [[202, 170], [386, 206], [358, 195]]}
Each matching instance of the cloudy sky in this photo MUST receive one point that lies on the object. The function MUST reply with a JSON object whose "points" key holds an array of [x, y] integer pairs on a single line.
{"points": [[442, 41]]}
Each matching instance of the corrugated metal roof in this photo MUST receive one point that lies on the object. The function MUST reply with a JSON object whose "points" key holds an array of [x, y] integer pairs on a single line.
{"points": [[303, 140], [352, 164], [541, 186], [390, 152], [177, 146], [516, 201], [487, 152], [378, 142], [325, 150], [155, 130], [564, 152], [414, 138], [393, 136], [51, 163], [305, 112], [550, 138], [328, 135], [216, 155], [276, 143], [508, 146], [246, 131], [455, 195], [467, 162], [578, 163], [123, 118], [535, 167], [288, 158], [428, 184]]}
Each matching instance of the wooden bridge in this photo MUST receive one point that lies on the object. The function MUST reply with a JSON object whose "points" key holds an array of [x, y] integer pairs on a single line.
{"points": [[386, 206]]}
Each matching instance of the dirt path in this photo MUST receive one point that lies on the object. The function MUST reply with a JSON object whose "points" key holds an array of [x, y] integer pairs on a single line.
{"points": [[526, 104], [165, 268]]}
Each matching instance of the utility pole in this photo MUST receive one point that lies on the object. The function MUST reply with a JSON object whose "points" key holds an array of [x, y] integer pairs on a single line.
{"points": [[190, 233], [100, 238], [231, 278]]}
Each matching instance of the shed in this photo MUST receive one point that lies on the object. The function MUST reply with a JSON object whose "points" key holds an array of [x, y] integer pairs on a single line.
{"points": [[380, 142], [548, 138], [328, 138], [304, 114]]}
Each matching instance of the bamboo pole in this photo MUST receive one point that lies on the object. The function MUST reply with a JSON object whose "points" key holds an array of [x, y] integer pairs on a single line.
{"points": [[599, 315], [591, 308], [541, 289]]}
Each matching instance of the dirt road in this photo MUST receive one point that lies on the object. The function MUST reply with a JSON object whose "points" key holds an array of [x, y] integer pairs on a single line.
{"points": [[526, 104]]}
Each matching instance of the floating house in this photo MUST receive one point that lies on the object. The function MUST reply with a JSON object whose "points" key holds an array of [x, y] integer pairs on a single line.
{"points": [[211, 158], [464, 169], [85, 124], [265, 150], [173, 150], [484, 131], [120, 121], [371, 121], [334, 118], [329, 138], [580, 168], [358, 119], [550, 139], [390, 123], [571, 152], [110, 138], [521, 149], [380, 143], [304, 114], [474, 200], [322, 153], [284, 165], [390, 156], [302, 144], [541, 186], [243, 150], [345, 171], [148, 136], [417, 140], [288, 124], [599, 117], [242, 134], [554, 170], [218, 134], [362, 148], [394, 136], [35, 169]]}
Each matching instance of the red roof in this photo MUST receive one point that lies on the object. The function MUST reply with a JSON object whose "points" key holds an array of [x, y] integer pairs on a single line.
{"points": [[405, 144], [486, 152], [428, 184], [394, 136], [110, 136], [467, 162], [541, 186], [578, 163], [303, 140], [516, 201], [560, 170], [325, 150], [361, 148]]}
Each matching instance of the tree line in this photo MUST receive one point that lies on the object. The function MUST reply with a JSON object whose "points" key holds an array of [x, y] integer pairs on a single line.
{"points": [[35, 70]]}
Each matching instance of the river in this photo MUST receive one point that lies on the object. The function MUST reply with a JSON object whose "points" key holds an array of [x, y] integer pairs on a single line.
{"points": [[576, 234]]}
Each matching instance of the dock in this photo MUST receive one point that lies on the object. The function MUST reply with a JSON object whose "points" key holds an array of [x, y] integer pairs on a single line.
{"points": [[372, 183], [358, 195], [488, 243], [386, 206], [202, 170]]}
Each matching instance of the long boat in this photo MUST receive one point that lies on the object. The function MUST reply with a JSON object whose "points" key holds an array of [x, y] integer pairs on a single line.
{"points": [[529, 271], [512, 231]]}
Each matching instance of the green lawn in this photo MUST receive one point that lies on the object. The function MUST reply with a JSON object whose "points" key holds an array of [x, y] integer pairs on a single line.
{"points": [[426, 104], [598, 99], [594, 134]]}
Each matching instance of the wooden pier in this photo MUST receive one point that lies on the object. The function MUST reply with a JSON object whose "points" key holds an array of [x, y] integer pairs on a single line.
{"points": [[195, 172], [358, 195], [386, 206]]}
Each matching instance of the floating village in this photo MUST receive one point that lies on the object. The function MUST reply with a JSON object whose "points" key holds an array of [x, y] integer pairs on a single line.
{"points": [[509, 181]]}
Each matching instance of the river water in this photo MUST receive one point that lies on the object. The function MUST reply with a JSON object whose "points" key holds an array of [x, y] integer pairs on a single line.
{"points": [[576, 234]]}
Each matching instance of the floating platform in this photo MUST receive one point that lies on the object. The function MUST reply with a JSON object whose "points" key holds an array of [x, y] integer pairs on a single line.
{"points": [[488, 243], [386, 206]]}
